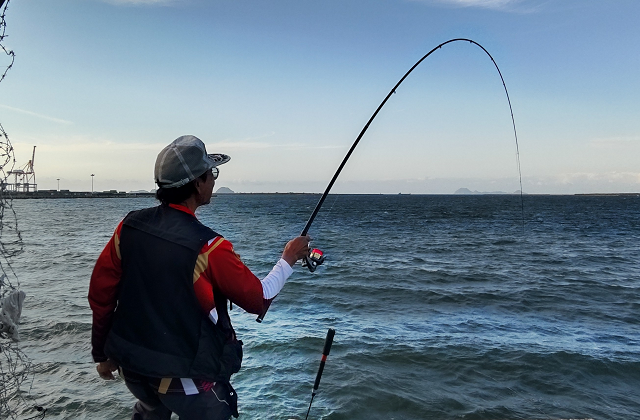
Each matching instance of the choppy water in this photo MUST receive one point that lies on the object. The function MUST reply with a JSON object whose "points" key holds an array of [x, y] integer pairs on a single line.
{"points": [[444, 307]]}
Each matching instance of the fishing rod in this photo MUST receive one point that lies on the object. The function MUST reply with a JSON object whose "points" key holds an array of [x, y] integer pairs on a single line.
{"points": [[328, 341], [316, 257]]}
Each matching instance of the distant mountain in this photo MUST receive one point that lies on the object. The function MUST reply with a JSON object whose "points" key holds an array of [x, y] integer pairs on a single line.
{"points": [[225, 190], [465, 191]]}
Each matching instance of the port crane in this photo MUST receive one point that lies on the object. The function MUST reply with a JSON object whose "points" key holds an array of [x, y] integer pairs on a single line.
{"points": [[24, 178]]}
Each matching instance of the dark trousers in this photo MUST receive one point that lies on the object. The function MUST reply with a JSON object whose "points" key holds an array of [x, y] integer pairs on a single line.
{"points": [[151, 405]]}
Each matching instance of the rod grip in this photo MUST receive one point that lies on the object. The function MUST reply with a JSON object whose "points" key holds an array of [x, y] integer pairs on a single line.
{"points": [[325, 352], [328, 341], [266, 305]]}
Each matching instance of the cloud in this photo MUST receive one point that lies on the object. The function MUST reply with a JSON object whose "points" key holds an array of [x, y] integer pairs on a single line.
{"points": [[584, 182], [34, 114], [615, 141], [605, 177], [250, 143], [143, 2], [491, 4], [503, 5]]}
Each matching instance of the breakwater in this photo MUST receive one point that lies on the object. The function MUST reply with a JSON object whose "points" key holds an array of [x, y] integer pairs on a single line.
{"points": [[74, 194]]}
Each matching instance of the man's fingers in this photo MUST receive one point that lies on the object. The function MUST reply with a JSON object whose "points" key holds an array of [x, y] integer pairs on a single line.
{"points": [[105, 369], [107, 375], [296, 249]]}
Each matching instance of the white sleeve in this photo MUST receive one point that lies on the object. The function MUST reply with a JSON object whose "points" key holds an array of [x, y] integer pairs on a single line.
{"points": [[274, 282]]}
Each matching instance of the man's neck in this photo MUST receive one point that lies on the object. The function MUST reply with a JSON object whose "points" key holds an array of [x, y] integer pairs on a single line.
{"points": [[182, 208], [191, 203]]}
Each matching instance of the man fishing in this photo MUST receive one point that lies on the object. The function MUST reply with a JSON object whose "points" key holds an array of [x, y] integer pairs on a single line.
{"points": [[159, 294]]}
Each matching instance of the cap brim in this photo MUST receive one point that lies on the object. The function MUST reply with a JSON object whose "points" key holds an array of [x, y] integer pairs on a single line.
{"points": [[217, 159]]}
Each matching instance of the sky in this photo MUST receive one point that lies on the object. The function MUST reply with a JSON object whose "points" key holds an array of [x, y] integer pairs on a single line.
{"points": [[285, 86]]}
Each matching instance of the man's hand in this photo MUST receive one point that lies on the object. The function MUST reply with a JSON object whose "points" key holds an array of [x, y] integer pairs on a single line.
{"points": [[296, 249], [106, 368]]}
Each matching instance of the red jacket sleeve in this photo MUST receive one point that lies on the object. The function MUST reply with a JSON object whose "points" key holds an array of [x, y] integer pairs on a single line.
{"points": [[224, 271], [103, 293]]}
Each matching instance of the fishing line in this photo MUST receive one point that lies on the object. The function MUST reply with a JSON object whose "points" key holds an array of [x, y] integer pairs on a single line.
{"points": [[312, 263], [324, 221]]}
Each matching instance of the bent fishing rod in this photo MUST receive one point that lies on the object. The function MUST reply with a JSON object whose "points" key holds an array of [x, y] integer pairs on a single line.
{"points": [[316, 257]]}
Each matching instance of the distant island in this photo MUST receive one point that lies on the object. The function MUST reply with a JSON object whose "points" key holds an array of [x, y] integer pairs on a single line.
{"points": [[467, 191], [225, 190]]}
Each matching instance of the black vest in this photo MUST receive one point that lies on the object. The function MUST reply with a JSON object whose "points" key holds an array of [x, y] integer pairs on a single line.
{"points": [[159, 328]]}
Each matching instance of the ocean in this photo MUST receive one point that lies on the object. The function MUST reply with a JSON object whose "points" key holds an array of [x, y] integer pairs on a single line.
{"points": [[445, 307]]}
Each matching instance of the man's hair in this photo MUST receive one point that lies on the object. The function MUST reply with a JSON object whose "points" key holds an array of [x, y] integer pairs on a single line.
{"points": [[178, 195]]}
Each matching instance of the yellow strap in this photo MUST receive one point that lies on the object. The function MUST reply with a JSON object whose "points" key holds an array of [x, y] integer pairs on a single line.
{"points": [[203, 260], [164, 385], [116, 240]]}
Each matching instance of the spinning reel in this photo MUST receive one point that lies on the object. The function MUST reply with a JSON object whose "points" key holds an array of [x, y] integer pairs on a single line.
{"points": [[313, 260]]}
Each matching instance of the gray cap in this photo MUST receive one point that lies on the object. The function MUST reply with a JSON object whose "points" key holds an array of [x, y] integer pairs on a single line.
{"points": [[184, 160]]}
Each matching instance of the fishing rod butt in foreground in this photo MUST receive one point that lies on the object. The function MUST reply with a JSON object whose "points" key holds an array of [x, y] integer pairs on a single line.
{"points": [[328, 341]]}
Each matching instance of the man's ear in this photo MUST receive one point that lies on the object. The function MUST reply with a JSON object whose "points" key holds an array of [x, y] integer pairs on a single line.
{"points": [[198, 184]]}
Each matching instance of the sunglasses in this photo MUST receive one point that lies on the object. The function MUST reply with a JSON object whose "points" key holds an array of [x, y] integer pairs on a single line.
{"points": [[215, 172]]}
